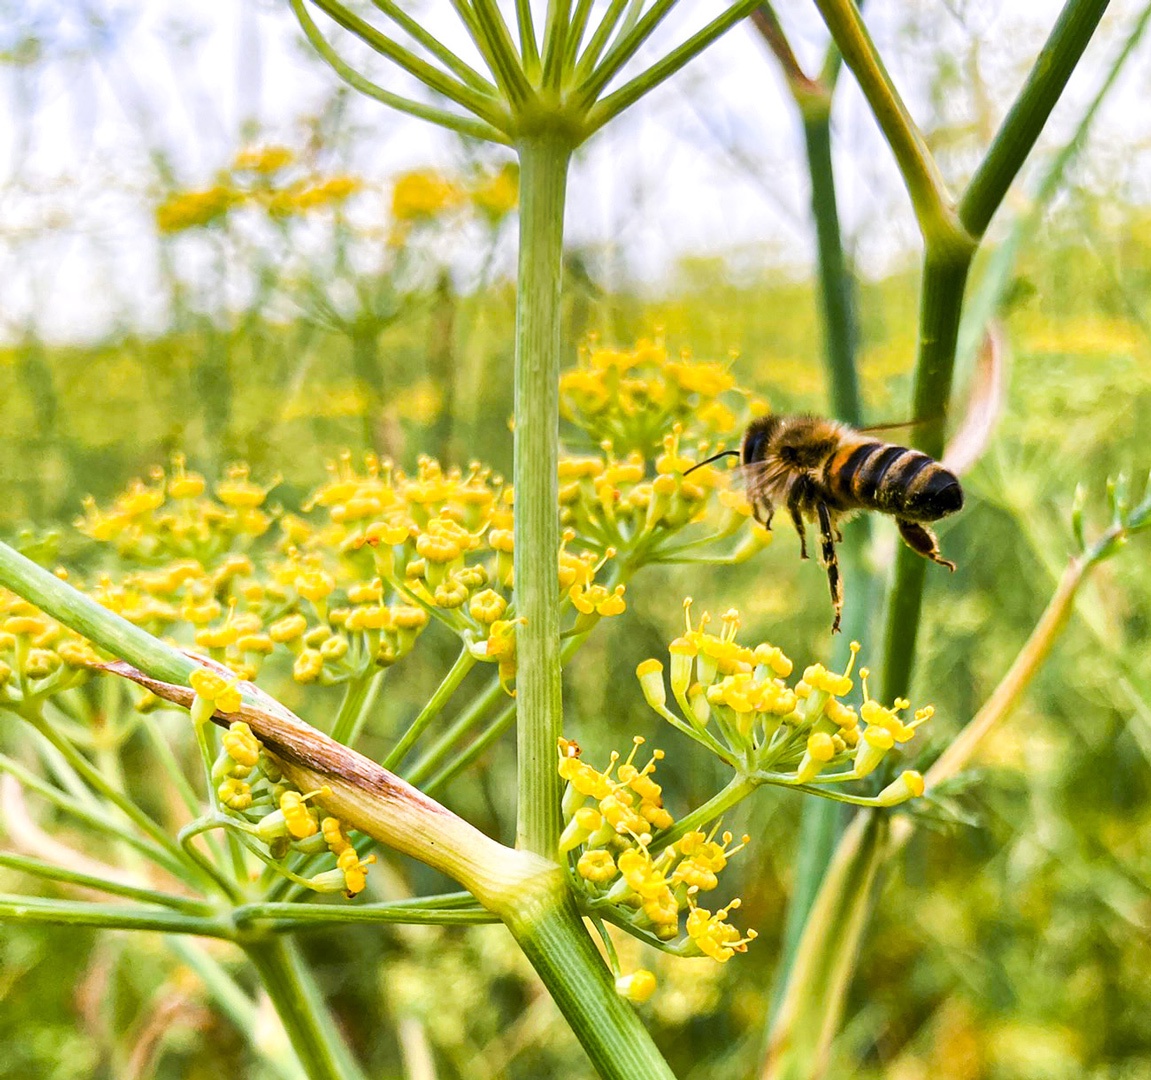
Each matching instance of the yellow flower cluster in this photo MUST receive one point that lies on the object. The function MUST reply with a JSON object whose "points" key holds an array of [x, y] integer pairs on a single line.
{"points": [[264, 806], [636, 508], [38, 656], [610, 822], [174, 517], [631, 397], [425, 195], [256, 178], [736, 701]]}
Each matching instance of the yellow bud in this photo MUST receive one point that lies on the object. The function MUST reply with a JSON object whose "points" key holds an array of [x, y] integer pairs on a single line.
{"points": [[637, 987]]}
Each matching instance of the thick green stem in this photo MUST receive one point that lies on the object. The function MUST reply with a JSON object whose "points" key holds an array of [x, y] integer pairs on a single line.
{"points": [[944, 279], [544, 163], [548, 927], [301, 1009]]}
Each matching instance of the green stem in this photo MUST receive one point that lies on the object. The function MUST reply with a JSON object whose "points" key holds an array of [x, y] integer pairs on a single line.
{"points": [[359, 697], [474, 749], [738, 789], [34, 909], [628, 94], [1017, 134], [599, 39], [432, 77], [472, 715], [548, 927], [441, 52], [944, 278], [82, 614], [299, 916], [924, 183], [459, 670], [50, 872], [807, 1016], [544, 161], [301, 1009], [835, 283], [999, 271], [463, 124], [236, 1005]]}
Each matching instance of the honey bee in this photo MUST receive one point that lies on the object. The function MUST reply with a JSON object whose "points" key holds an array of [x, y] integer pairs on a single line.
{"points": [[824, 471]]}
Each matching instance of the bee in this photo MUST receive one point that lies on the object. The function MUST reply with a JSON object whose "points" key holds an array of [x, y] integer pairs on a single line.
{"points": [[825, 472]]}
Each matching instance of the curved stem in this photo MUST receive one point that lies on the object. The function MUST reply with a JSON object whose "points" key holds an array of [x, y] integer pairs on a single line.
{"points": [[463, 124], [925, 185], [441, 52], [544, 163], [628, 94], [432, 77], [738, 789]]}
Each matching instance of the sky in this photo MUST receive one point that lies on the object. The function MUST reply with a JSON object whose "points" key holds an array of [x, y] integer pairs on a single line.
{"points": [[105, 102]]}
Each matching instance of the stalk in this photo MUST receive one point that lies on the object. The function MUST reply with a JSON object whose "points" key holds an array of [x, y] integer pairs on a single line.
{"points": [[944, 279], [301, 1009], [544, 160], [549, 930]]}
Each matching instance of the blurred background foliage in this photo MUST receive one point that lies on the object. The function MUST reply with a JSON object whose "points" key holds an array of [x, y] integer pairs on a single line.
{"points": [[300, 303]]}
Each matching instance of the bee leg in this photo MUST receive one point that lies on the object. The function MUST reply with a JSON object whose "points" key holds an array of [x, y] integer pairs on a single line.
{"points": [[922, 541], [827, 533], [797, 517], [795, 500], [764, 511]]}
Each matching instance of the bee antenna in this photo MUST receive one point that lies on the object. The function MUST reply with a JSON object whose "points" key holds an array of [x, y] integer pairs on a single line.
{"points": [[708, 461]]}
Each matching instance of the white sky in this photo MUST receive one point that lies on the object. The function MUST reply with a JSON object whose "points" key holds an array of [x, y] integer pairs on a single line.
{"points": [[709, 164]]}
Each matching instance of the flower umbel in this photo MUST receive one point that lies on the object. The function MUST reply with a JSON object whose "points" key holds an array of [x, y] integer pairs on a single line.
{"points": [[620, 876], [737, 701]]}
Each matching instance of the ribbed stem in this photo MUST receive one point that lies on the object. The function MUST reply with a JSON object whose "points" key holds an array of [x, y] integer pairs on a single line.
{"points": [[553, 937], [544, 160]]}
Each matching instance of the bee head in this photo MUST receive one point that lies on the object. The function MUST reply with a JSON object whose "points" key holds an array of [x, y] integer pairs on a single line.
{"points": [[757, 438]]}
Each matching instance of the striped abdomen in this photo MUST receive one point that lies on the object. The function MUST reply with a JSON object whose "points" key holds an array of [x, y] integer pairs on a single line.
{"points": [[893, 480]]}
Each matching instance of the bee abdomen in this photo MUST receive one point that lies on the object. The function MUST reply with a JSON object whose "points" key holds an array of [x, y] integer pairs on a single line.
{"points": [[890, 479]]}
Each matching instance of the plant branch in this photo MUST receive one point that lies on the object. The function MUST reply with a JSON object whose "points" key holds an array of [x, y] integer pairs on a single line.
{"points": [[35, 909], [465, 72], [628, 94], [432, 77], [929, 196]]}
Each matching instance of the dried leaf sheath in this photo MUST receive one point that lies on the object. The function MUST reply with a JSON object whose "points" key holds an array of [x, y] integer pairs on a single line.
{"points": [[369, 797]]}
